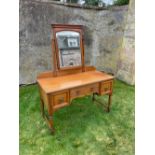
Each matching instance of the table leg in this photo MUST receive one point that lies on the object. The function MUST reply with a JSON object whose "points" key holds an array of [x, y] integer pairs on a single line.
{"points": [[93, 97], [109, 103], [50, 123], [42, 108], [48, 118]]}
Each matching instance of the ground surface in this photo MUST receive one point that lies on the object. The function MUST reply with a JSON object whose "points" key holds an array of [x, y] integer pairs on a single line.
{"points": [[82, 128]]}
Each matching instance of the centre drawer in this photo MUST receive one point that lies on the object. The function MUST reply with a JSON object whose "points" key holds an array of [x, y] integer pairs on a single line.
{"points": [[84, 90]]}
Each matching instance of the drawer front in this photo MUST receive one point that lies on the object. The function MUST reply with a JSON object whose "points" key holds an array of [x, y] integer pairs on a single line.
{"points": [[93, 88], [84, 90], [106, 87], [60, 98]]}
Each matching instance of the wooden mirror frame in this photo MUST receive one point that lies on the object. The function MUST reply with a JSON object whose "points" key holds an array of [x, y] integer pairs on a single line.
{"points": [[65, 27]]}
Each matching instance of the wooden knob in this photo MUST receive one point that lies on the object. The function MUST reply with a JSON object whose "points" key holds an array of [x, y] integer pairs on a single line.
{"points": [[91, 89], [61, 100], [105, 89], [77, 92]]}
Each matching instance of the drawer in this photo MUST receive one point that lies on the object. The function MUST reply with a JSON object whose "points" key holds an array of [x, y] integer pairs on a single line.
{"points": [[106, 87], [84, 90], [60, 99], [93, 88]]}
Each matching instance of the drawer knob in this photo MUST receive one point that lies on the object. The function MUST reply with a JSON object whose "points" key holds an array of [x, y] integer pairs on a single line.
{"points": [[105, 89], [77, 92], [91, 89], [61, 100]]}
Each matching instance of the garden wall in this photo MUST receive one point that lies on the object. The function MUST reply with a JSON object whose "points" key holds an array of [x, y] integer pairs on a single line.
{"points": [[103, 29], [126, 65]]}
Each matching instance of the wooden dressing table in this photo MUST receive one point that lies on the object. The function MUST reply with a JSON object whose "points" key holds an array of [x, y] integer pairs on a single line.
{"points": [[70, 77]]}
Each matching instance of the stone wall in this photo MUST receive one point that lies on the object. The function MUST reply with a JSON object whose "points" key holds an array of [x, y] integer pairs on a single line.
{"points": [[103, 29], [126, 65]]}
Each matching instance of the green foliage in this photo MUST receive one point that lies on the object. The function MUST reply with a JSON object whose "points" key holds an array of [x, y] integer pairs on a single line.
{"points": [[92, 2], [121, 2], [81, 128], [72, 1]]}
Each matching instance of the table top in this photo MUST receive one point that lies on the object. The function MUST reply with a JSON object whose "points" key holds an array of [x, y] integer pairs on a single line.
{"points": [[54, 84]]}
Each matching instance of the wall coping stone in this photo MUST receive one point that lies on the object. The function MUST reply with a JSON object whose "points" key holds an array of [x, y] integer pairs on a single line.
{"points": [[114, 7]]}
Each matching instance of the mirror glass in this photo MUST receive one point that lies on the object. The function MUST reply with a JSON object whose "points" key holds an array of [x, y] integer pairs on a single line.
{"points": [[69, 48]]}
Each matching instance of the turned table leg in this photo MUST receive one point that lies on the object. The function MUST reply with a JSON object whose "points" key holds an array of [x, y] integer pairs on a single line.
{"points": [[93, 97], [50, 123], [109, 103], [48, 118], [42, 108]]}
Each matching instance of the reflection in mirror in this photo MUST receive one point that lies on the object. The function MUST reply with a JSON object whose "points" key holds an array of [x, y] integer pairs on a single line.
{"points": [[69, 48]]}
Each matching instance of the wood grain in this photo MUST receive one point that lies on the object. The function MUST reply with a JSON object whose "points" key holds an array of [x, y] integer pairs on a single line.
{"points": [[54, 84]]}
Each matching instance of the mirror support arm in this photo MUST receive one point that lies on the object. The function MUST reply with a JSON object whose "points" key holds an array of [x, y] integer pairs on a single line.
{"points": [[54, 58]]}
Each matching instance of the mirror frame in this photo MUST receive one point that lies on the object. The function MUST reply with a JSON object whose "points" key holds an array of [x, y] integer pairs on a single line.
{"points": [[64, 27]]}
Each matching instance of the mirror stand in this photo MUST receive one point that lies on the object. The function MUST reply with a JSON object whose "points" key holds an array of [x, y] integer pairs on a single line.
{"points": [[68, 48]]}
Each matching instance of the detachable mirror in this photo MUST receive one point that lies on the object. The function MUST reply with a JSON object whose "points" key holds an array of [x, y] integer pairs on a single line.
{"points": [[69, 48]]}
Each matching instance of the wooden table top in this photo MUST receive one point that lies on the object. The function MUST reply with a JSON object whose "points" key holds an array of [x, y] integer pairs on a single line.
{"points": [[59, 83]]}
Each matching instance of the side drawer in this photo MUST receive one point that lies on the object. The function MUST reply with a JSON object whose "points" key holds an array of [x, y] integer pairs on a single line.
{"points": [[106, 87], [84, 90], [60, 99]]}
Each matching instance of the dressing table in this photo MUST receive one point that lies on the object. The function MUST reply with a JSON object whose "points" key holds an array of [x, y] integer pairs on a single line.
{"points": [[70, 77]]}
